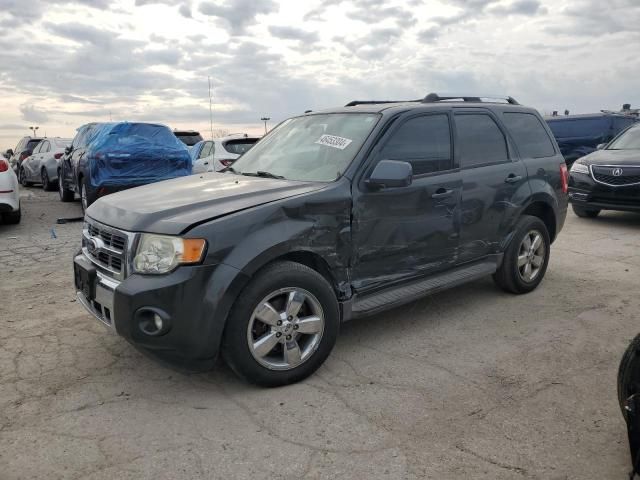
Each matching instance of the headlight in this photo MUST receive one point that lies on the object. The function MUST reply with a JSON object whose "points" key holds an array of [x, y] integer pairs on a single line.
{"points": [[163, 253], [578, 167]]}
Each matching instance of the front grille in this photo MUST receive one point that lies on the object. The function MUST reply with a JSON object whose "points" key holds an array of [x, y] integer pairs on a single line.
{"points": [[106, 247], [110, 239], [626, 175]]}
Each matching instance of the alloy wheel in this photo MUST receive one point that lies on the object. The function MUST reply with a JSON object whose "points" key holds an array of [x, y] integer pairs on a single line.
{"points": [[531, 256], [285, 329]]}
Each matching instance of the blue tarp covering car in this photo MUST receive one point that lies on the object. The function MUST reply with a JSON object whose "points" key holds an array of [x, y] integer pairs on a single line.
{"points": [[128, 154]]}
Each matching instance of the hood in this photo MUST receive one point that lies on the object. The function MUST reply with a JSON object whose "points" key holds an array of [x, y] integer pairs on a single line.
{"points": [[612, 157], [172, 206]]}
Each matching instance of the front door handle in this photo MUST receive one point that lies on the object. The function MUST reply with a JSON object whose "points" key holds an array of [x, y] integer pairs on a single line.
{"points": [[442, 193], [513, 178]]}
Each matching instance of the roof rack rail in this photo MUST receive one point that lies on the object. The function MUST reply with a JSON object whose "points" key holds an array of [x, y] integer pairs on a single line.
{"points": [[375, 102], [434, 97]]}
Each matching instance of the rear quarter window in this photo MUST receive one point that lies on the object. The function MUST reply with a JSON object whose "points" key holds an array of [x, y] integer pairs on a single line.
{"points": [[239, 146], [530, 136]]}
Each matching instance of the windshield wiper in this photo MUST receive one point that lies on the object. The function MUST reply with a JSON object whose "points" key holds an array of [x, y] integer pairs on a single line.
{"points": [[231, 169], [263, 174]]}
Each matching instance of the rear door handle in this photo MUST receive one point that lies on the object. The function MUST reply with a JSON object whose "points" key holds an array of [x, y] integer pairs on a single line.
{"points": [[442, 193], [513, 178]]}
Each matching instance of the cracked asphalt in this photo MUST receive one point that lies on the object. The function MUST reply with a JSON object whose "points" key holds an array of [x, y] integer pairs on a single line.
{"points": [[471, 383]]}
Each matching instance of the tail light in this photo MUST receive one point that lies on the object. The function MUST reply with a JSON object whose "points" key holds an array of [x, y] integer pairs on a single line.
{"points": [[564, 177], [58, 156], [226, 163], [4, 166]]}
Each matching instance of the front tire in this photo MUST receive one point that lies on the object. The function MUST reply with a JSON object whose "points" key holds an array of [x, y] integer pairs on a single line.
{"points": [[526, 258], [65, 194], [585, 212], [282, 327]]}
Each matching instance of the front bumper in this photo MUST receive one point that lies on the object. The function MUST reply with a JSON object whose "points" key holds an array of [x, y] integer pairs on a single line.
{"points": [[194, 300], [587, 193]]}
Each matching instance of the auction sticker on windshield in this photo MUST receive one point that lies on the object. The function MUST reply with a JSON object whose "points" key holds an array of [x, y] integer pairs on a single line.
{"points": [[333, 141]]}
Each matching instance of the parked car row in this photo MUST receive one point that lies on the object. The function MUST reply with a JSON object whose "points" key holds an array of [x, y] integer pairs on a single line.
{"points": [[107, 157]]}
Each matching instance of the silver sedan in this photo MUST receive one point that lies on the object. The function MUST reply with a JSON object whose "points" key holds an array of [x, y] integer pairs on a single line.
{"points": [[42, 165]]}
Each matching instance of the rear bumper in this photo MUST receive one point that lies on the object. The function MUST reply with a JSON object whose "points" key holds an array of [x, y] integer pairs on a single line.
{"points": [[586, 193], [9, 202]]}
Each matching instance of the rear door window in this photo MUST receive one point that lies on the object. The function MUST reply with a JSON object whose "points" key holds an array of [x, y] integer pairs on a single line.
{"points": [[424, 142], [530, 136], [480, 141]]}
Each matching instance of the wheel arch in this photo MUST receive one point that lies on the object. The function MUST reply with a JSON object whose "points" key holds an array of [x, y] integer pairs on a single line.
{"points": [[545, 212]]}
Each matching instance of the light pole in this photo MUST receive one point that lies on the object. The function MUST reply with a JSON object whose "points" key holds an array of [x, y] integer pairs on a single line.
{"points": [[34, 129], [265, 120]]}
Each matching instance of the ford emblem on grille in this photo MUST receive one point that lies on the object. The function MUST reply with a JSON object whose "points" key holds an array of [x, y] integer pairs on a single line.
{"points": [[94, 244], [617, 172]]}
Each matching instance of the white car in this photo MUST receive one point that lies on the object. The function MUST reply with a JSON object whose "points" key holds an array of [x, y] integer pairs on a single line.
{"points": [[42, 165], [9, 194], [219, 153]]}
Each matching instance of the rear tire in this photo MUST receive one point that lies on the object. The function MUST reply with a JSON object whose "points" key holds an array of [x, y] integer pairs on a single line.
{"points": [[86, 199], [585, 212], [12, 218], [65, 195], [526, 258], [270, 354], [46, 183]]}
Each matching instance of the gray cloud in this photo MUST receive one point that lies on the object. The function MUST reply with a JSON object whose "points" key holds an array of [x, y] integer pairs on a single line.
{"points": [[367, 11], [31, 114], [519, 7], [239, 14], [293, 33]]}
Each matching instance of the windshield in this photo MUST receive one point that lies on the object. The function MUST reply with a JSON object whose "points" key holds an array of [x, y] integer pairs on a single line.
{"points": [[629, 140], [314, 148]]}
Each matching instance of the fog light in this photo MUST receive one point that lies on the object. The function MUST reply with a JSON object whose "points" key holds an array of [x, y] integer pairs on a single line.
{"points": [[158, 321], [152, 321]]}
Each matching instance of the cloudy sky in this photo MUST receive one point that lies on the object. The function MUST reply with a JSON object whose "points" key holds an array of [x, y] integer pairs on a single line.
{"points": [[64, 63]]}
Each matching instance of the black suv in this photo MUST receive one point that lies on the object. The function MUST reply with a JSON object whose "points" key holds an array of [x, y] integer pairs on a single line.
{"points": [[609, 178], [333, 215]]}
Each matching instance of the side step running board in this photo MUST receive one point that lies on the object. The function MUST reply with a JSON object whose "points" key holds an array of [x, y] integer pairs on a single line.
{"points": [[408, 292]]}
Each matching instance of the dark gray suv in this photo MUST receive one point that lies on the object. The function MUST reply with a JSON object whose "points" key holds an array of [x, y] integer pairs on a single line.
{"points": [[334, 215]]}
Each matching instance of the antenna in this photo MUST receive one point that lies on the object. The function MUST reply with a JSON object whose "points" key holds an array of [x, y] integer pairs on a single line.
{"points": [[210, 109]]}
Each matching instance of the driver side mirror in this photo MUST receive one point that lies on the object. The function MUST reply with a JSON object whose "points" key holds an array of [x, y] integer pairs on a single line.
{"points": [[601, 146], [391, 174], [8, 153], [68, 150]]}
